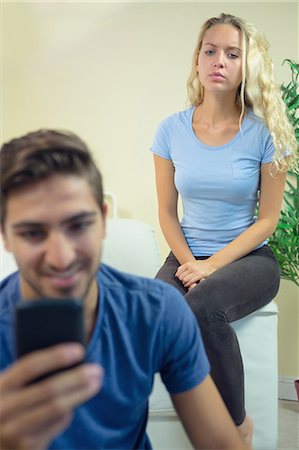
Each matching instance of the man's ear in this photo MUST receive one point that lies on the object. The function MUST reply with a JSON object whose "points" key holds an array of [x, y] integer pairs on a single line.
{"points": [[3, 238], [105, 216]]}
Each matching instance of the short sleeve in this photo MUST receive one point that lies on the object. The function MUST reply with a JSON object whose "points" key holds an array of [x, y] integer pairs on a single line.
{"points": [[266, 146], [160, 145], [185, 364]]}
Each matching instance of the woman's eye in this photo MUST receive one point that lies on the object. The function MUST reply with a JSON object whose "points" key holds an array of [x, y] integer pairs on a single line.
{"points": [[209, 52], [233, 56]]}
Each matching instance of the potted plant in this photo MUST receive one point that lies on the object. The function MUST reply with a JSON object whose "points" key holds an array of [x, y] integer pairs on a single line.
{"points": [[285, 241]]}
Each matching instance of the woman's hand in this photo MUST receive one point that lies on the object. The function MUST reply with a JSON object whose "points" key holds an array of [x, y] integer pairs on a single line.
{"points": [[194, 272]]}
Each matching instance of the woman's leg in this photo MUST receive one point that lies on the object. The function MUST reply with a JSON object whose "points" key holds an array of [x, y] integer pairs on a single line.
{"points": [[229, 294], [167, 273]]}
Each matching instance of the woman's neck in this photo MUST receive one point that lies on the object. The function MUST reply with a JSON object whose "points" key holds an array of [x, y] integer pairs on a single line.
{"points": [[217, 110]]}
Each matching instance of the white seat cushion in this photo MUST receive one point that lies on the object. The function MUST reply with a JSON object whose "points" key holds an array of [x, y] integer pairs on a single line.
{"points": [[131, 246], [257, 336]]}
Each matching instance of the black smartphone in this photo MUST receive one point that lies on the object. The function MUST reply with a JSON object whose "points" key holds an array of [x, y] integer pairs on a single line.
{"points": [[43, 323]]}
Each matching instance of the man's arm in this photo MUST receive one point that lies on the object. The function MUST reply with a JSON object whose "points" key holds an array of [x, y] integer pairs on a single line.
{"points": [[32, 415], [205, 418]]}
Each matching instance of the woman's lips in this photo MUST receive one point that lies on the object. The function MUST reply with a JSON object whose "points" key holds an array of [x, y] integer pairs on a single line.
{"points": [[216, 76]]}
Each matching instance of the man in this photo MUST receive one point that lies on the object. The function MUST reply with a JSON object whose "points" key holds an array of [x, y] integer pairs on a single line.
{"points": [[53, 221]]}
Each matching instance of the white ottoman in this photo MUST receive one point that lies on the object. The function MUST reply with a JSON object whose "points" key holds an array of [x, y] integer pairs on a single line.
{"points": [[257, 335]]}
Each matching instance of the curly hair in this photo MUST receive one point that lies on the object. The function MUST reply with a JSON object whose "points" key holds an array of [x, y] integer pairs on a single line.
{"points": [[257, 90]]}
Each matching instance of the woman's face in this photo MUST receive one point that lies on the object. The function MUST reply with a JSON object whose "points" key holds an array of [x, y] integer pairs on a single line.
{"points": [[219, 64]]}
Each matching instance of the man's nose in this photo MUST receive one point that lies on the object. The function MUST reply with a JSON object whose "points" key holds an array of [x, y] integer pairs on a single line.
{"points": [[60, 252]]}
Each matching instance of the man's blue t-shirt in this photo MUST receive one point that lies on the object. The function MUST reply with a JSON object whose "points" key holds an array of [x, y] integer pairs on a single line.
{"points": [[218, 185], [143, 326]]}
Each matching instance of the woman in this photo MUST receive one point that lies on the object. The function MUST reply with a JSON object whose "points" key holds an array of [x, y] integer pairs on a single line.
{"points": [[226, 155]]}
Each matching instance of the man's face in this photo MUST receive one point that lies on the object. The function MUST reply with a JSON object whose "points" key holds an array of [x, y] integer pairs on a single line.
{"points": [[55, 229]]}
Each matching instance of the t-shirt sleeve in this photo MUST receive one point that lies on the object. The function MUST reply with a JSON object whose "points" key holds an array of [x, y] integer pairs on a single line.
{"points": [[160, 145], [267, 146], [185, 364]]}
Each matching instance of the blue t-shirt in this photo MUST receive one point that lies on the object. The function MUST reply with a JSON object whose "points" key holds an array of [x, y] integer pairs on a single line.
{"points": [[218, 185], [144, 326]]}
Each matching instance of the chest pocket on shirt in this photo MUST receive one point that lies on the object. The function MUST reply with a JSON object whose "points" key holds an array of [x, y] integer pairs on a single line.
{"points": [[245, 168]]}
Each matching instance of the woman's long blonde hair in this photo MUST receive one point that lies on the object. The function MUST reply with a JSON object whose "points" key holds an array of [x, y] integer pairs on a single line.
{"points": [[257, 91]]}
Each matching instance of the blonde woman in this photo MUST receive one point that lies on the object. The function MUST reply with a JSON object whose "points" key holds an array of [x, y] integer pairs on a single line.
{"points": [[225, 155]]}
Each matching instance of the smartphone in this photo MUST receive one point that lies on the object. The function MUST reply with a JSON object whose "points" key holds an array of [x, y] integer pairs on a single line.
{"points": [[43, 323]]}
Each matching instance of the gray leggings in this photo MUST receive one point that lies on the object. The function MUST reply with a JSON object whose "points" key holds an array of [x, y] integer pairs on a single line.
{"points": [[229, 294]]}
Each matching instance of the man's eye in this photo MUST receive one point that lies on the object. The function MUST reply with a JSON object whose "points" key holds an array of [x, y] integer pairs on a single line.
{"points": [[32, 235], [80, 226]]}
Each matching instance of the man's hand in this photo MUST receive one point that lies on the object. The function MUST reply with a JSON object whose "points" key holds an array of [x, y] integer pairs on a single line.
{"points": [[31, 415], [193, 272]]}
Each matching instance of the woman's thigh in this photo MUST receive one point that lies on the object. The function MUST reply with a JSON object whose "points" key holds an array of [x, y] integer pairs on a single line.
{"points": [[239, 288]]}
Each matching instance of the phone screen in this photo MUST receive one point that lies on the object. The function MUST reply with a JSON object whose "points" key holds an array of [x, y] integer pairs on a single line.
{"points": [[43, 323]]}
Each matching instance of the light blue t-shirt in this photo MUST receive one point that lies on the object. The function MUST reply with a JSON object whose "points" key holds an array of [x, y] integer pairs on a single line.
{"points": [[218, 185], [144, 326]]}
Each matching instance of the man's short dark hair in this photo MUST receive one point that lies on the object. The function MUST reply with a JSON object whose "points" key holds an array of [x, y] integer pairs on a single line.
{"points": [[40, 154]]}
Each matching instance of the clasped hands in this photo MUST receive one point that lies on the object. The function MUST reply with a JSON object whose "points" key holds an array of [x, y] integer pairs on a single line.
{"points": [[193, 272]]}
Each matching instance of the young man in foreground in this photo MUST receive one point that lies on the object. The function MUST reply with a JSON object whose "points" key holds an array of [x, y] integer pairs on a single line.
{"points": [[53, 221]]}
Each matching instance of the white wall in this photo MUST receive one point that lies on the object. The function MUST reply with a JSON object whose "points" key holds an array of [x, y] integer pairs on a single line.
{"points": [[110, 72]]}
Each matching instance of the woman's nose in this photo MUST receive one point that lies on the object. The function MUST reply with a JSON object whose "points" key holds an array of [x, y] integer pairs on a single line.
{"points": [[219, 62]]}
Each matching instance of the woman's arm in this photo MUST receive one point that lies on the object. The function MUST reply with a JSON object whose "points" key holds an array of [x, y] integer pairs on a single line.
{"points": [[168, 215], [271, 194]]}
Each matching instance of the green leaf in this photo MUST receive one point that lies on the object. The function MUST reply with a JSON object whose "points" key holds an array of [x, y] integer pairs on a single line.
{"points": [[285, 240]]}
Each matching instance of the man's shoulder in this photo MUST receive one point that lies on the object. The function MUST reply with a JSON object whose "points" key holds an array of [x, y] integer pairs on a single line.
{"points": [[145, 290], [114, 278], [9, 293]]}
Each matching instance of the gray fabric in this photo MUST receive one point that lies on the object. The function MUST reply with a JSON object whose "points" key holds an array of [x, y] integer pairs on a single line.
{"points": [[229, 294]]}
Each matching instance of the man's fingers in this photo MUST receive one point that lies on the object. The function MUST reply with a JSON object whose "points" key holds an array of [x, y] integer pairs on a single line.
{"points": [[31, 415], [52, 431], [39, 363], [56, 386], [12, 439], [56, 408]]}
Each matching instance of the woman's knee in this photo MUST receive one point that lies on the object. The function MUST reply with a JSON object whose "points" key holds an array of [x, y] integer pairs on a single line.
{"points": [[206, 299]]}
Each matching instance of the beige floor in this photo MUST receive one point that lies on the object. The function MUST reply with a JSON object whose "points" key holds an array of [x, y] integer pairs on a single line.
{"points": [[288, 425]]}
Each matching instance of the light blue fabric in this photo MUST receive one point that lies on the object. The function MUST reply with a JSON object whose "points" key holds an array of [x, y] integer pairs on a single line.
{"points": [[218, 185], [144, 326]]}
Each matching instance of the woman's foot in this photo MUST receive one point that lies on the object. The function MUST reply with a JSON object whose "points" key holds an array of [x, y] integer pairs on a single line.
{"points": [[246, 431]]}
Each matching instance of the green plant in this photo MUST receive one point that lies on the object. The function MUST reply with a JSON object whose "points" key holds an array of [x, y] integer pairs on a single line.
{"points": [[285, 241]]}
